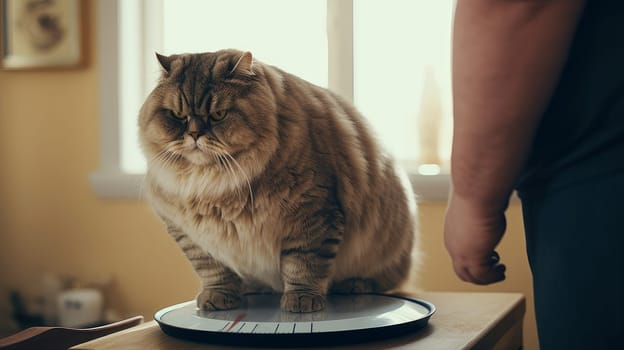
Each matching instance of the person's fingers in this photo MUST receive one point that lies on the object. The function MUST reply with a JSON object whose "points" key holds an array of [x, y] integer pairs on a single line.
{"points": [[482, 272], [490, 275]]}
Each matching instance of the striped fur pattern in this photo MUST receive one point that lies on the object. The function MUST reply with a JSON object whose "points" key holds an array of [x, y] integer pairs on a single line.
{"points": [[265, 180]]}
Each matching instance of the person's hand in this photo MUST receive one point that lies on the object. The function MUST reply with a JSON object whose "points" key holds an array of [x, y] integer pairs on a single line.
{"points": [[471, 234]]}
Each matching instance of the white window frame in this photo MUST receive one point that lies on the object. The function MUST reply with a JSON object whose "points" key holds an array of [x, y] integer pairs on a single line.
{"points": [[110, 181]]}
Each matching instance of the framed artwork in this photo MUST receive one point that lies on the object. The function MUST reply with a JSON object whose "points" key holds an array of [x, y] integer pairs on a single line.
{"points": [[39, 34]]}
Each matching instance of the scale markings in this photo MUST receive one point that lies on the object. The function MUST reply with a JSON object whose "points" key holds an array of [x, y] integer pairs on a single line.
{"points": [[283, 328], [241, 327], [302, 327], [265, 328], [223, 329], [236, 321]]}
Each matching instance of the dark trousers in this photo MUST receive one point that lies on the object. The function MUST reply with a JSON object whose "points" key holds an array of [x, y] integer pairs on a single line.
{"points": [[575, 245]]}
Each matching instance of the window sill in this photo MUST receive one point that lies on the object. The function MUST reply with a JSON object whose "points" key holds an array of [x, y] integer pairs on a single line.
{"points": [[428, 188]]}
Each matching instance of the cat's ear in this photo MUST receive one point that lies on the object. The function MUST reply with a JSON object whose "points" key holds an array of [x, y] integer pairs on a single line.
{"points": [[244, 65], [165, 61]]}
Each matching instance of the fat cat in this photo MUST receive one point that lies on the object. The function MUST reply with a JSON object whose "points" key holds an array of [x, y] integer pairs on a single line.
{"points": [[266, 180]]}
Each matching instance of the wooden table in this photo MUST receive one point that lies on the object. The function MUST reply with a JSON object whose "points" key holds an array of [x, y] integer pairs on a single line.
{"points": [[461, 321]]}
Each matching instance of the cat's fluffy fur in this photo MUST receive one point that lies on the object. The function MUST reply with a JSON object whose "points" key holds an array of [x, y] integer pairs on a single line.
{"points": [[264, 179]]}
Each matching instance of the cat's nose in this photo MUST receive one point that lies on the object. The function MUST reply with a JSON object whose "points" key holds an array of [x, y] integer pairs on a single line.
{"points": [[196, 127], [194, 134]]}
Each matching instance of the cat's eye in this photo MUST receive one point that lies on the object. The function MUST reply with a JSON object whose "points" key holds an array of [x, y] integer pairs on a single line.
{"points": [[176, 115], [219, 115]]}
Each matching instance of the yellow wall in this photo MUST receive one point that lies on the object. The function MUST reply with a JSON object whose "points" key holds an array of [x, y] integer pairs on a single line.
{"points": [[51, 220]]}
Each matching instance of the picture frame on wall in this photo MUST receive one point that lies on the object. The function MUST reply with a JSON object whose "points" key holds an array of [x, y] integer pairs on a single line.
{"points": [[40, 34]]}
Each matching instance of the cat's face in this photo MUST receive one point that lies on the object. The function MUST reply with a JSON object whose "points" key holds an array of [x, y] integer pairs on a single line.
{"points": [[209, 110]]}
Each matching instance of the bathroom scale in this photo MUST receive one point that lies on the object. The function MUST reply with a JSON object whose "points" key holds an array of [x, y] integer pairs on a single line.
{"points": [[259, 322]]}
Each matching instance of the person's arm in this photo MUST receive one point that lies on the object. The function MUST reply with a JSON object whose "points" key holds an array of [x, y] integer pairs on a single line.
{"points": [[507, 58]]}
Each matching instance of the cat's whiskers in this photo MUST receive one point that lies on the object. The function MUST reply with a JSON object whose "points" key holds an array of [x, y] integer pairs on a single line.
{"points": [[226, 160], [168, 158], [163, 153], [245, 177], [169, 154], [227, 166]]}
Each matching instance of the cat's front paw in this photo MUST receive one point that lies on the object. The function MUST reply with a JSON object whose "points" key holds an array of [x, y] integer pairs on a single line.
{"points": [[302, 302], [210, 300]]}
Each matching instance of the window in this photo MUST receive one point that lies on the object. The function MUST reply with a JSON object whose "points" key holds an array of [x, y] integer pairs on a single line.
{"points": [[392, 58]]}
